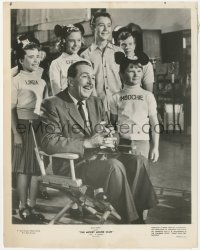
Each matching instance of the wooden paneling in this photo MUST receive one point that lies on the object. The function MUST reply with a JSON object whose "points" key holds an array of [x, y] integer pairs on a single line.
{"points": [[152, 43], [172, 46]]}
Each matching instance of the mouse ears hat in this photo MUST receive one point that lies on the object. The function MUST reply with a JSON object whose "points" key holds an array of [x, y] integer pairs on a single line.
{"points": [[121, 59], [116, 33], [134, 30], [134, 33], [65, 30], [22, 40]]}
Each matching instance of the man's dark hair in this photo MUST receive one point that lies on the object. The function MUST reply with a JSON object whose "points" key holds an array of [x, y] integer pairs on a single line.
{"points": [[72, 71], [99, 14]]}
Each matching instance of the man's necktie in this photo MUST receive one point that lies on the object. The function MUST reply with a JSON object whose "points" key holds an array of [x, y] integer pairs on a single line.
{"points": [[81, 111]]}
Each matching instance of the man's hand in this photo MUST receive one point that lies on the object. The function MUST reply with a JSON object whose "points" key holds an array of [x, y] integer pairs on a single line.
{"points": [[154, 155], [18, 139], [111, 131], [107, 130], [109, 142], [94, 142], [98, 140]]}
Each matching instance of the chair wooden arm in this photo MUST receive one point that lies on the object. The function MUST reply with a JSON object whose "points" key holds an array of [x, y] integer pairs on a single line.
{"points": [[68, 156]]}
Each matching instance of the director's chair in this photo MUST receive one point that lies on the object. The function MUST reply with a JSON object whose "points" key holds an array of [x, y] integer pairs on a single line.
{"points": [[73, 188]]}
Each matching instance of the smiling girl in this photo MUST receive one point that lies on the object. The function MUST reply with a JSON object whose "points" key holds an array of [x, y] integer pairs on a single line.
{"points": [[27, 93], [70, 43]]}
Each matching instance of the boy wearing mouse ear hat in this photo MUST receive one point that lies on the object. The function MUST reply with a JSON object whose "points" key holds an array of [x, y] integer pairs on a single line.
{"points": [[129, 38], [134, 109]]}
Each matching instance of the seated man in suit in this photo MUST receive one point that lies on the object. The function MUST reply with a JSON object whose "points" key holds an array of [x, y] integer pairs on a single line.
{"points": [[72, 124]]}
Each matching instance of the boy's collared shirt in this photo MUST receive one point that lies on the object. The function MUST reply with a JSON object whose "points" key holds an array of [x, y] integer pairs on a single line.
{"points": [[133, 106], [106, 70], [148, 74]]}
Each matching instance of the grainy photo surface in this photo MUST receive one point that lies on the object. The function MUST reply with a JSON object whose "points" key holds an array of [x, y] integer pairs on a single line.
{"points": [[100, 102]]}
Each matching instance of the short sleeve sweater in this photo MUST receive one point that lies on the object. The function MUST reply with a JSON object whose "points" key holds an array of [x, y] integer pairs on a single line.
{"points": [[27, 94], [133, 106], [58, 71]]}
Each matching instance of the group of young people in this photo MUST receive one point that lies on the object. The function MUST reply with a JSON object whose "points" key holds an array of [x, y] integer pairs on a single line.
{"points": [[120, 76]]}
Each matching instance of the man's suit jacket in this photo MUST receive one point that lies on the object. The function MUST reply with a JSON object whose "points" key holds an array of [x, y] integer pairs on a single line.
{"points": [[59, 115], [63, 127]]}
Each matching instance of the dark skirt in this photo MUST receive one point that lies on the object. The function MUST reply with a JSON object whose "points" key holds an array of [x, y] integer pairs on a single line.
{"points": [[138, 178], [24, 159]]}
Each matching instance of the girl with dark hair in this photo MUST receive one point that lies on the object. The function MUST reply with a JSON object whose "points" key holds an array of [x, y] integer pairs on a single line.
{"points": [[129, 38], [27, 94], [70, 43], [42, 72], [20, 42]]}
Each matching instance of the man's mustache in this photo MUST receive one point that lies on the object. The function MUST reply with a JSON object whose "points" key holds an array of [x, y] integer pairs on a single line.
{"points": [[89, 86]]}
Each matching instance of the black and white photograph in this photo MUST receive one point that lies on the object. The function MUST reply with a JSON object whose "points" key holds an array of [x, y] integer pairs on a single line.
{"points": [[101, 119]]}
